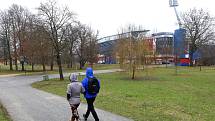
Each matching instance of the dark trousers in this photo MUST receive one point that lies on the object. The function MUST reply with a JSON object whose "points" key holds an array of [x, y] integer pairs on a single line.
{"points": [[91, 109], [75, 115]]}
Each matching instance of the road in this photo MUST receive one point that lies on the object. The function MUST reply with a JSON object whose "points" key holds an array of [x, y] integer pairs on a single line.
{"points": [[25, 103]]}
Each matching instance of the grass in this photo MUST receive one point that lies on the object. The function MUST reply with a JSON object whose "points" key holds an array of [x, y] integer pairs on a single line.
{"points": [[3, 114], [4, 69], [156, 95], [104, 66]]}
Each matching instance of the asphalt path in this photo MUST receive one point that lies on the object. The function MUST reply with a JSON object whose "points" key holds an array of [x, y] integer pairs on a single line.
{"points": [[25, 103]]}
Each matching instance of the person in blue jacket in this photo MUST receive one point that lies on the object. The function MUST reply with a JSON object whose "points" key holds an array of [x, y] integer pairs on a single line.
{"points": [[89, 96]]}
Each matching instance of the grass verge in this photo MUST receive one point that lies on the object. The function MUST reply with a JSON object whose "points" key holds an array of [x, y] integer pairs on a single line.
{"points": [[3, 114], [157, 94]]}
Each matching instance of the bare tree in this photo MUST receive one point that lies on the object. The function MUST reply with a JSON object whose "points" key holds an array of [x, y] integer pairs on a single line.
{"points": [[86, 45], [81, 45], [132, 50], [93, 48], [71, 40], [38, 44], [199, 27], [56, 20], [3, 49], [18, 18], [30, 42], [43, 45], [6, 30], [14, 36]]}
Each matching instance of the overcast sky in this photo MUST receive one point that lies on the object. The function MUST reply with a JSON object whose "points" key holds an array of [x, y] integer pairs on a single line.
{"points": [[108, 16]]}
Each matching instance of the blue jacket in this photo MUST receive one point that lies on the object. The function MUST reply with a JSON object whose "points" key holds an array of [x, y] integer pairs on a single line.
{"points": [[89, 74]]}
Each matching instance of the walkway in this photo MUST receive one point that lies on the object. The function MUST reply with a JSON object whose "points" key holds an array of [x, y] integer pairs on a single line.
{"points": [[25, 103]]}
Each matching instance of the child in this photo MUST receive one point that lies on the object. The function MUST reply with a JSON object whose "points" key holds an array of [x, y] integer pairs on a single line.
{"points": [[73, 95]]}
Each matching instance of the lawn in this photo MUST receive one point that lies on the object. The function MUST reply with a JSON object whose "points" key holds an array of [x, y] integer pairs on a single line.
{"points": [[3, 114], [104, 66], [157, 94], [4, 69]]}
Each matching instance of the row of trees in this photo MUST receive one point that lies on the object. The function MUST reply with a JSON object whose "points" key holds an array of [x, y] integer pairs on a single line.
{"points": [[55, 35], [46, 37]]}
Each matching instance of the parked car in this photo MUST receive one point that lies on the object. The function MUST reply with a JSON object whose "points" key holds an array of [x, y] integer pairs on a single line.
{"points": [[165, 62]]}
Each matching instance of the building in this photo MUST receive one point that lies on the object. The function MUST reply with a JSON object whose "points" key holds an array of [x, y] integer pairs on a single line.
{"points": [[164, 46], [107, 45]]}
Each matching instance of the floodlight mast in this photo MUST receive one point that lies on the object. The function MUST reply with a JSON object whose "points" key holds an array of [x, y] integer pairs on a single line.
{"points": [[174, 4]]}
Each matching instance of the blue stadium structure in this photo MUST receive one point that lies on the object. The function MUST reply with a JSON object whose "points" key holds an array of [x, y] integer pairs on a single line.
{"points": [[107, 45]]}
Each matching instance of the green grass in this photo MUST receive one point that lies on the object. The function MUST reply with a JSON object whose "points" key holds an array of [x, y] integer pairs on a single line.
{"points": [[156, 95], [3, 114], [4, 69], [104, 66]]}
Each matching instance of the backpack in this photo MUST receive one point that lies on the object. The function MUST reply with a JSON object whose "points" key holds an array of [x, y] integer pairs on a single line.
{"points": [[93, 85]]}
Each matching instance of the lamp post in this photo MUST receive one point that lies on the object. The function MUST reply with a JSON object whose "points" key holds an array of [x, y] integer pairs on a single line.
{"points": [[174, 4]]}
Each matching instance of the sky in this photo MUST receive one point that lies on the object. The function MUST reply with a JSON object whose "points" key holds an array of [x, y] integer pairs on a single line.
{"points": [[109, 16]]}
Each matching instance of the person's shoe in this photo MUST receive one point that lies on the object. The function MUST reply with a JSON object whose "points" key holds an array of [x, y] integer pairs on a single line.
{"points": [[85, 118]]}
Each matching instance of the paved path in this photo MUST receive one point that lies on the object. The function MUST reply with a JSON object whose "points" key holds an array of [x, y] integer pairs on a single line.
{"points": [[25, 103]]}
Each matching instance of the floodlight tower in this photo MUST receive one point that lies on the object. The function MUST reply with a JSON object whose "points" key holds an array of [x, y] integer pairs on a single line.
{"points": [[174, 4]]}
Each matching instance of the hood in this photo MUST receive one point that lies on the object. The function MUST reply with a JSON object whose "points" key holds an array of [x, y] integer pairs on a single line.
{"points": [[89, 72], [73, 77]]}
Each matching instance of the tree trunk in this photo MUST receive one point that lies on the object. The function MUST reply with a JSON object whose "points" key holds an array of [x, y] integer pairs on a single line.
{"points": [[23, 68], [43, 63], [44, 67], [16, 65], [32, 66], [82, 63], [21, 47], [11, 62], [192, 50], [133, 69], [71, 58], [52, 65], [71, 61], [191, 58], [9, 54], [15, 54], [5, 61], [52, 61], [133, 72], [15, 47], [60, 66]]}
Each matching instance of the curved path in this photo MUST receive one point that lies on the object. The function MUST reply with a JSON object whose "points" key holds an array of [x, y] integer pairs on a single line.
{"points": [[25, 103]]}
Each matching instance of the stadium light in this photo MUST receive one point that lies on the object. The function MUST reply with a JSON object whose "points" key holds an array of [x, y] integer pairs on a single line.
{"points": [[174, 4]]}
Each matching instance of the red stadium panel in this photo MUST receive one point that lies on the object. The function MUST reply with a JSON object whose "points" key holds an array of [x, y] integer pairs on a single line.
{"points": [[185, 60]]}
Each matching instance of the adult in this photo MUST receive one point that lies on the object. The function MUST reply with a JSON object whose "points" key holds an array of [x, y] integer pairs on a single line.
{"points": [[92, 86]]}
